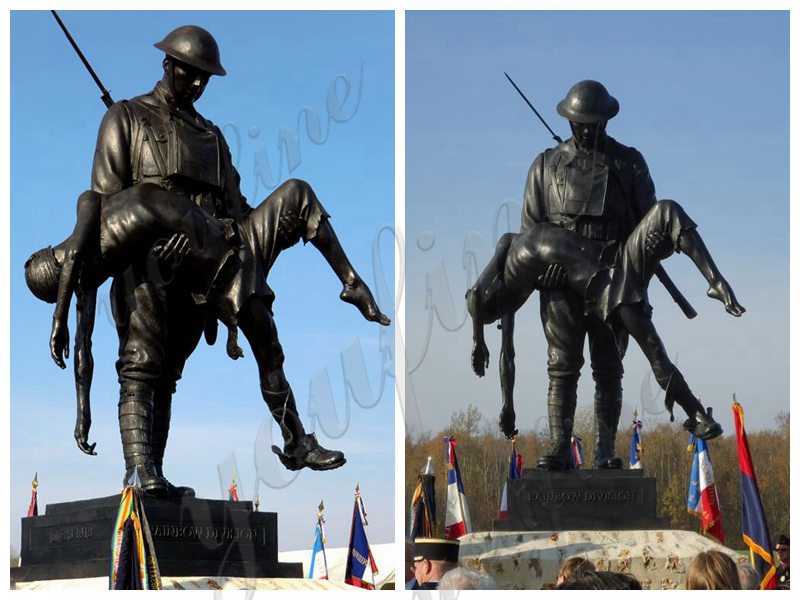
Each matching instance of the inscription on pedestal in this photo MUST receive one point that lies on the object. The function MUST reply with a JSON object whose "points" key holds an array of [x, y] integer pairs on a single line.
{"points": [[60, 535], [577, 496], [192, 537], [219, 534], [581, 499]]}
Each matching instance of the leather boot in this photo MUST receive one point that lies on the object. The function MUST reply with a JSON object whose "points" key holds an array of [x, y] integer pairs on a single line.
{"points": [[135, 426], [700, 423], [607, 409], [561, 401], [162, 414], [300, 449]]}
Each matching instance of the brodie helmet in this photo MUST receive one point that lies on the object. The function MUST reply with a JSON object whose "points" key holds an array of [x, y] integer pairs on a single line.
{"points": [[588, 101], [194, 46]]}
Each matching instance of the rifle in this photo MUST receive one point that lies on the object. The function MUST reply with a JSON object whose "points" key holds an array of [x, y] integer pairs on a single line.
{"points": [[665, 280], [106, 97]]}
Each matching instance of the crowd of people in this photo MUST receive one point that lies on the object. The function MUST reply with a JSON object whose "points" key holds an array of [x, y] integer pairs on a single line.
{"points": [[432, 563]]}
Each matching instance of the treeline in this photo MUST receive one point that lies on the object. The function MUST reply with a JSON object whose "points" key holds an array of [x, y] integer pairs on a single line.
{"points": [[483, 456]]}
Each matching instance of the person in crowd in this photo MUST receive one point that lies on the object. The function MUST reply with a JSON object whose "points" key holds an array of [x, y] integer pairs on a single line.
{"points": [[600, 580], [433, 557], [782, 548], [574, 566], [712, 570], [462, 578]]}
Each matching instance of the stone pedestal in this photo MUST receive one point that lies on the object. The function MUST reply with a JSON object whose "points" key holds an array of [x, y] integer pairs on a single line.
{"points": [[193, 536], [587, 499], [529, 560]]}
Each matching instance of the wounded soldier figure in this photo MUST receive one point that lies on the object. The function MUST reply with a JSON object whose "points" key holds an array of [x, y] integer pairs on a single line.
{"points": [[223, 264], [614, 287]]}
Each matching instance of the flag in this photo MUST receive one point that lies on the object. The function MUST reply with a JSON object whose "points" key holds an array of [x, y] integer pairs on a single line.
{"points": [[514, 470], [133, 556], [321, 572], [233, 492], [754, 524], [702, 501], [358, 552], [422, 520], [456, 520], [576, 451], [635, 459], [33, 508]]}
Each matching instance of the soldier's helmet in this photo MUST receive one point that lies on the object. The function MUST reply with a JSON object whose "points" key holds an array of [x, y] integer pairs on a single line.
{"points": [[194, 46], [42, 274], [588, 101]]}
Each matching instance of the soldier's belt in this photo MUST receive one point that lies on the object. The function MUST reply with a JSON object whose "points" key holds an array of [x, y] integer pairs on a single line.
{"points": [[594, 230]]}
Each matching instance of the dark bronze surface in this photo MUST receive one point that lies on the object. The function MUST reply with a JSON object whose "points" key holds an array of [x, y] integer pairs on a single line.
{"points": [[165, 218]]}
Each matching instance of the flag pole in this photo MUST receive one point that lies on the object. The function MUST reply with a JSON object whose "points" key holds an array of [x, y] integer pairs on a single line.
{"points": [[321, 524], [363, 511]]}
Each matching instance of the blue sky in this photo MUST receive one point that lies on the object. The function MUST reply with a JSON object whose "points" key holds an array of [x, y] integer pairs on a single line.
{"points": [[219, 419], [703, 95]]}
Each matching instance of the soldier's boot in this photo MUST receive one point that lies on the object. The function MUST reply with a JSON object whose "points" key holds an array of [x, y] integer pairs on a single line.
{"points": [[701, 423], [607, 409], [135, 426], [561, 401], [691, 244], [299, 449], [162, 414]]}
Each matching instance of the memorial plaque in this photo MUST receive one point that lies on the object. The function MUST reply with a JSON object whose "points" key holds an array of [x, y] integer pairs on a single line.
{"points": [[589, 499], [192, 537]]}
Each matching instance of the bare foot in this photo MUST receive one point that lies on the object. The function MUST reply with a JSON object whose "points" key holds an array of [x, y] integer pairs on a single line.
{"points": [[480, 358], [81, 437], [508, 421], [358, 294], [232, 346], [722, 291]]}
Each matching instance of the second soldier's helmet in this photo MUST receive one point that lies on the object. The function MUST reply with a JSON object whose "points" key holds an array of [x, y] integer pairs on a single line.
{"points": [[194, 46], [588, 101]]}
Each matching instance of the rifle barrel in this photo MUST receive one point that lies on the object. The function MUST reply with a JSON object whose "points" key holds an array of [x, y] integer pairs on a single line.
{"points": [[106, 97], [528, 102]]}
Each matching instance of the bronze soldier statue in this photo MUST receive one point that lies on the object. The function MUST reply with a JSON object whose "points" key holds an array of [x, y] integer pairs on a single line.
{"points": [[159, 138], [592, 185], [612, 287]]}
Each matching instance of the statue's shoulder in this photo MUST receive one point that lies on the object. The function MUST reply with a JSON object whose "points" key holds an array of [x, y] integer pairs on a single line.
{"points": [[548, 155], [627, 154], [144, 105]]}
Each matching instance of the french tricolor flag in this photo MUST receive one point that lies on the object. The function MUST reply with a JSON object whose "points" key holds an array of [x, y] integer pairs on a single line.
{"points": [[702, 501], [456, 521], [514, 469]]}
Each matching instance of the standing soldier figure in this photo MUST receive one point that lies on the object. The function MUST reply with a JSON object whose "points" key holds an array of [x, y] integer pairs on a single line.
{"points": [[160, 138], [599, 188]]}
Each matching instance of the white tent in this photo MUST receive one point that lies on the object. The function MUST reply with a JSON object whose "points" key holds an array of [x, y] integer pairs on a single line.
{"points": [[337, 562]]}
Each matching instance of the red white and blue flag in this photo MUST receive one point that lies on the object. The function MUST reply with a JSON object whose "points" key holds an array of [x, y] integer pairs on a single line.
{"points": [[514, 470], [33, 508], [703, 501], [456, 520], [319, 564], [576, 452], [359, 556], [754, 524], [635, 459]]}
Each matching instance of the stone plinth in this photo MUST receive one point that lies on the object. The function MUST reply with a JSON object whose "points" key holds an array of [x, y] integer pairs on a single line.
{"points": [[72, 540], [601, 499], [528, 560]]}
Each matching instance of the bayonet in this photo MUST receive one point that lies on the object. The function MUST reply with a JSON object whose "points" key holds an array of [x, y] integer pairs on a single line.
{"points": [[536, 112], [106, 97]]}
